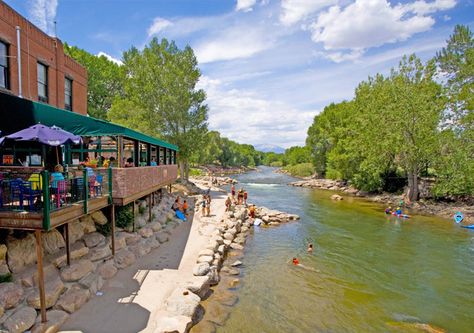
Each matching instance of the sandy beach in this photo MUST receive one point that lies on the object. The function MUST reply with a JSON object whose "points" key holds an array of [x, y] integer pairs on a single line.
{"points": [[133, 301]]}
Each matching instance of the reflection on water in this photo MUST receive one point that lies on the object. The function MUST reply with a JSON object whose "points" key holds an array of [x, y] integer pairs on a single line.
{"points": [[374, 273]]}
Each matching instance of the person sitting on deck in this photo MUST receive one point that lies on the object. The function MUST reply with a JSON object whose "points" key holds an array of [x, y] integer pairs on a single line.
{"points": [[56, 176], [153, 162], [129, 163]]}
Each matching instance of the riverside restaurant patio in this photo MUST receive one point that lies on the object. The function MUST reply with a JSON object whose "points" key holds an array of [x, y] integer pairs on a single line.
{"points": [[48, 186]]}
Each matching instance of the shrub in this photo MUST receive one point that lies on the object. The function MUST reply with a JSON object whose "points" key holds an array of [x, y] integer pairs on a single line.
{"points": [[141, 210], [124, 216], [6, 278]]}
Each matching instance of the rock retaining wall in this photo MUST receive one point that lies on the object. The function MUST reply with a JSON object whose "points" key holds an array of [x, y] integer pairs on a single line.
{"points": [[69, 287]]}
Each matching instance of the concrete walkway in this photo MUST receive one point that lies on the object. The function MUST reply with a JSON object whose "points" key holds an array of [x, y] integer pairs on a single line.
{"points": [[133, 301]]}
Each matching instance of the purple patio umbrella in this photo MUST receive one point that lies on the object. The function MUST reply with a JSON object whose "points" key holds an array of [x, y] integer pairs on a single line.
{"points": [[43, 134], [51, 136]]}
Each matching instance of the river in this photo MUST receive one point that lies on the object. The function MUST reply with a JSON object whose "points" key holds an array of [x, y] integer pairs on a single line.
{"points": [[372, 273]]}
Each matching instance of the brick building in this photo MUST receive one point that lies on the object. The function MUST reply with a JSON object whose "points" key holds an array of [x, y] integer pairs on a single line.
{"points": [[47, 74]]}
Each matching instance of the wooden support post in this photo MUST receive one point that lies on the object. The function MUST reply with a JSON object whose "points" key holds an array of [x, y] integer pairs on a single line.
{"points": [[133, 213], [112, 220], [68, 249], [149, 208], [39, 255]]}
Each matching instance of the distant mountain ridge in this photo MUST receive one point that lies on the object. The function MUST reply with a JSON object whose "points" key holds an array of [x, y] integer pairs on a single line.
{"points": [[266, 148]]}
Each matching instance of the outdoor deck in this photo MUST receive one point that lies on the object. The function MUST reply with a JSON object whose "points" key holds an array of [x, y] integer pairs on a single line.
{"points": [[130, 184]]}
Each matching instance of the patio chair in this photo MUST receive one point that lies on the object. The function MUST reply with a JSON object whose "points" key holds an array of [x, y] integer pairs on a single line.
{"points": [[92, 180], [98, 185], [78, 189], [30, 194], [61, 193], [16, 192]]}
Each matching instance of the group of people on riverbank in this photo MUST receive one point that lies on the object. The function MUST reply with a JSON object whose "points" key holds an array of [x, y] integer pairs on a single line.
{"points": [[178, 206], [242, 196]]}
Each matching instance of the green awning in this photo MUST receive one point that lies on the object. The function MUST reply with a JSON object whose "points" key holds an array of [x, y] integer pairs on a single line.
{"points": [[18, 113]]}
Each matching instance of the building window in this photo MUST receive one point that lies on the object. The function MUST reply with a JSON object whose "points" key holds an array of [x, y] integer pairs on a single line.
{"points": [[4, 79], [68, 94], [42, 83]]}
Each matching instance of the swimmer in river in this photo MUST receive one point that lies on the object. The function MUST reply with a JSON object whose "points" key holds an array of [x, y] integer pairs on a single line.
{"points": [[310, 248], [296, 262]]}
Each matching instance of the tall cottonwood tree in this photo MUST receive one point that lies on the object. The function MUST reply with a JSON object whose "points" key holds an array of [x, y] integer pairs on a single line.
{"points": [[161, 98]]}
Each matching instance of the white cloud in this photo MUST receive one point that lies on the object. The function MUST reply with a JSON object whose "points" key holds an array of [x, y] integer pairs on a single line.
{"points": [[43, 14], [109, 57], [234, 43], [422, 7], [158, 25], [372, 23], [246, 117], [292, 11], [245, 5]]}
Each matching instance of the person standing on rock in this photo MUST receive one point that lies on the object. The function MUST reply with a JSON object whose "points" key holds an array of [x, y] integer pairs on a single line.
{"points": [[203, 205], [228, 203], [232, 190], [245, 198], [252, 211]]}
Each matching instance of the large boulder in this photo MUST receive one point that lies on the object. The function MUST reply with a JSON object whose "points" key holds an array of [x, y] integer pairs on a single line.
{"points": [[182, 302], [76, 231], [93, 282], [21, 320], [21, 252], [107, 270], [99, 253], [77, 250], [236, 246], [213, 274], [175, 324], [152, 242], [132, 238], [56, 319], [88, 224], [155, 226], [140, 249], [336, 197], [207, 259], [77, 270], [199, 285], [29, 276], [120, 241], [53, 289], [11, 294], [162, 237], [206, 252], [124, 258], [201, 269], [52, 241], [93, 239], [99, 218], [73, 299], [145, 232]]}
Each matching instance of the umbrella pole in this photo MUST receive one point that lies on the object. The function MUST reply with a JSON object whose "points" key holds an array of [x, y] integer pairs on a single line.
{"points": [[57, 155]]}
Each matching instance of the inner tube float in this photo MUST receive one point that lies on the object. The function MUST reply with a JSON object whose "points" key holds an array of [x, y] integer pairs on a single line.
{"points": [[180, 215], [468, 226], [458, 217], [403, 216]]}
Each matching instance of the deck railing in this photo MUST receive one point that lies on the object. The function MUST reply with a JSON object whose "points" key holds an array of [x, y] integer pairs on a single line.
{"points": [[36, 191]]}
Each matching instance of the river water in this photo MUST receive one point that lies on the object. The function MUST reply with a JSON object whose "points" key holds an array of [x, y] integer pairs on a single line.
{"points": [[372, 273]]}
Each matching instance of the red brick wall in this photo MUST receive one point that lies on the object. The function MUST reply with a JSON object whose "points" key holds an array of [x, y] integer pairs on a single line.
{"points": [[130, 181], [38, 46]]}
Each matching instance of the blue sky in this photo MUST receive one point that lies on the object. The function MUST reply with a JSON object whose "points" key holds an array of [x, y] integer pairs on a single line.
{"points": [[268, 66]]}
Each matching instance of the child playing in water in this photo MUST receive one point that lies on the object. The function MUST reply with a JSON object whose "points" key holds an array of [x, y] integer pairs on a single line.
{"points": [[310, 248]]}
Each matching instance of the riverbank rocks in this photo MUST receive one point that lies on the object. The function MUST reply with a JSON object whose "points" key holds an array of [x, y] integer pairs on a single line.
{"points": [[77, 270], [92, 281], [93, 239], [53, 289], [21, 320], [52, 241], [107, 270], [99, 253], [207, 259], [73, 299], [236, 263], [182, 302], [99, 218], [88, 224], [76, 231], [162, 237], [336, 197], [21, 252], [269, 215], [146, 232], [56, 318], [124, 258], [11, 295], [201, 269], [199, 285]]}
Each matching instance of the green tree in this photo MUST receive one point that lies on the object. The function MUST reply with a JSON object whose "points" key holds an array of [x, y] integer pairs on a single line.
{"points": [[398, 120], [105, 80], [162, 99]]}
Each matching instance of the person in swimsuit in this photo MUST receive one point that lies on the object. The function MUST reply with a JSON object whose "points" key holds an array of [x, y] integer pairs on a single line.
{"points": [[310, 248]]}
